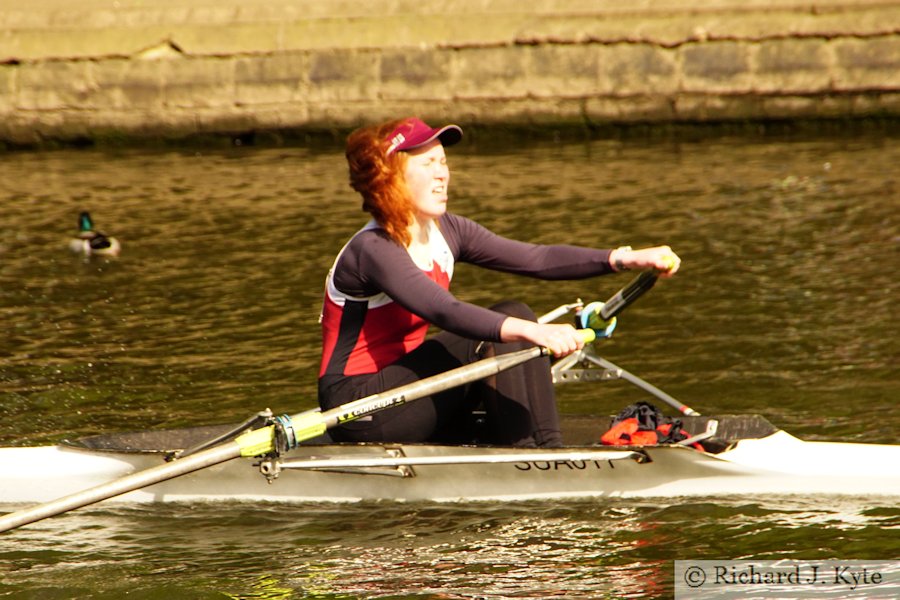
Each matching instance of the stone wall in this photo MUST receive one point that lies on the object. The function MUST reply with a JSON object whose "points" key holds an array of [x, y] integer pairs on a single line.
{"points": [[88, 69]]}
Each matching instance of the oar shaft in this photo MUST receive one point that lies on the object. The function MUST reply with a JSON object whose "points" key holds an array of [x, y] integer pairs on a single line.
{"points": [[135, 481], [426, 387]]}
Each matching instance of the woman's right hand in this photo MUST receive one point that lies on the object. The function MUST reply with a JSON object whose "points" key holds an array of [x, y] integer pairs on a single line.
{"points": [[560, 339]]}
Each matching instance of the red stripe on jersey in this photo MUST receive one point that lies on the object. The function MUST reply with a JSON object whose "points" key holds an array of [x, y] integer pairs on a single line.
{"points": [[384, 334]]}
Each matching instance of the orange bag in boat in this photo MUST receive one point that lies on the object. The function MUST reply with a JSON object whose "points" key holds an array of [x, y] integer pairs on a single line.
{"points": [[643, 424], [628, 432]]}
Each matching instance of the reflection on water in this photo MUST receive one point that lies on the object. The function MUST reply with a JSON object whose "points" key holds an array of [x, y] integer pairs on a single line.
{"points": [[577, 549], [785, 306]]}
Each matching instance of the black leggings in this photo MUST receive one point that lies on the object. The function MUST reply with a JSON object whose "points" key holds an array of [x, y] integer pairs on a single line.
{"points": [[520, 403]]}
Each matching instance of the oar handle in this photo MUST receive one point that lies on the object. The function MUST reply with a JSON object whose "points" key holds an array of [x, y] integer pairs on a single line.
{"points": [[588, 335]]}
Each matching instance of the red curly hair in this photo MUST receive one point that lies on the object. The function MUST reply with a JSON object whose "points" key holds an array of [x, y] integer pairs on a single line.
{"points": [[379, 178]]}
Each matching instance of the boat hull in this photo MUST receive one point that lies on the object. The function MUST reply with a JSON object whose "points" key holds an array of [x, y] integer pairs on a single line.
{"points": [[777, 463]]}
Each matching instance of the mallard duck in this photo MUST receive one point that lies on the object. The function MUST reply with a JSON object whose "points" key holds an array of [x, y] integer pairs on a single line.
{"points": [[90, 242]]}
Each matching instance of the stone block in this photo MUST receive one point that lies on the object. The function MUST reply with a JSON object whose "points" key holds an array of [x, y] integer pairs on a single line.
{"points": [[637, 69], [347, 114], [276, 116], [602, 109], [169, 122], [342, 75], [423, 72], [717, 67], [646, 109], [213, 120], [109, 123], [53, 85], [867, 63], [419, 74], [270, 78], [562, 70], [793, 66], [716, 107], [63, 124], [632, 109], [789, 107], [790, 55], [885, 104], [7, 88], [518, 112], [491, 72], [198, 82], [127, 84]]}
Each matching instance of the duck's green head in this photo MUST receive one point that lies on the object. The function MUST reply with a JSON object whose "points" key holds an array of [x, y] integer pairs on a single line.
{"points": [[84, 222]]}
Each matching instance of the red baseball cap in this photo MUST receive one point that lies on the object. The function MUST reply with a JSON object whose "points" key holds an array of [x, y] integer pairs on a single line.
{"points": [[413, 133]]}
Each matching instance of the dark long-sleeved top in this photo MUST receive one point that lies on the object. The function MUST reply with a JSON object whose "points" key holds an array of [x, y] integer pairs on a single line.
{"points": [[379, 302]]}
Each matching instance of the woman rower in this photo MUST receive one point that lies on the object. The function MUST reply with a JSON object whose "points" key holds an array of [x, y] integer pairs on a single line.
{"points": [[391, 281]]}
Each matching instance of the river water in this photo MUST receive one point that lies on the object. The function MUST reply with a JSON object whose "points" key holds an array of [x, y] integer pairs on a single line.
{"points": [[785, 306]]}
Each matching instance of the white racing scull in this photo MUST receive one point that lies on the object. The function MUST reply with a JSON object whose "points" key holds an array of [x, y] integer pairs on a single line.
{"points": [[748, 456]]}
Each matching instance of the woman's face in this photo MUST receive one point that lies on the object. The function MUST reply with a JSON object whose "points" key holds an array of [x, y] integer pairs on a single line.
{"points": [[427, 177]]}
